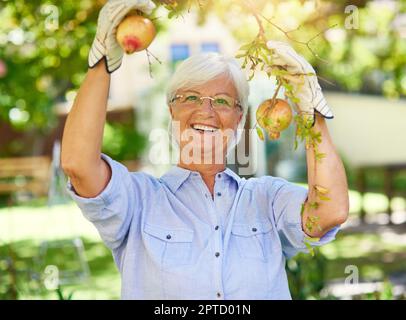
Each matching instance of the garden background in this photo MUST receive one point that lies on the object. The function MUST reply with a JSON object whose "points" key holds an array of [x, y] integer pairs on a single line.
{"points": [[358, 49]]}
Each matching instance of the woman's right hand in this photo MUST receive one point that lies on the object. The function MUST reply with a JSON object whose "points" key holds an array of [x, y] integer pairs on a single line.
{"points": [[105, 43]]}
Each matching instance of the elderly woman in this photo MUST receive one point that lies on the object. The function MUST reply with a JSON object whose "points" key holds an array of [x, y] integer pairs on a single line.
{"points": [[199, 231]]}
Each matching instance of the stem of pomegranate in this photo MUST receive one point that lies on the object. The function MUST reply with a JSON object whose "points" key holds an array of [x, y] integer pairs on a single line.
{"points": [[276, 92]]}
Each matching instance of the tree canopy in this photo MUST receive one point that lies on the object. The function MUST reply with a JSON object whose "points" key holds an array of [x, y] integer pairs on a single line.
{"points": [[354, 45]]}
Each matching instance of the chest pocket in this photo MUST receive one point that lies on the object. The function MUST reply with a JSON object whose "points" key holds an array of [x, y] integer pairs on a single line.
{"points": [[253, 240], [168, 246]]}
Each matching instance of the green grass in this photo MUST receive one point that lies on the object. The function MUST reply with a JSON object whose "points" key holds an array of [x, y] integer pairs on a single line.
{"points": [[103, 283], [25, 227], [373, 254], [42, 223]]}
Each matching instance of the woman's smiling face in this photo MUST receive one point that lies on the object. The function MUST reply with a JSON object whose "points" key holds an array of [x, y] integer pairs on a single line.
{"points": [[203, 132]]}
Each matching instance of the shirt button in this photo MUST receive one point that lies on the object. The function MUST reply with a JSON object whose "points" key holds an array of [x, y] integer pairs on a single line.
{"points": [[216, 228], [219, 194], [219, 175], [168, 236], [217, 254], [218, 294], [254, 229]]}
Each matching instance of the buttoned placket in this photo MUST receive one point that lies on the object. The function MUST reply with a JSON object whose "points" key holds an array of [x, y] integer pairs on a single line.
{"points": [[217, 227], [217, 199]]}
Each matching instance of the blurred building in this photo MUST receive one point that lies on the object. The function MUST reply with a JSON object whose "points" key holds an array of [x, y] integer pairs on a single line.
{"points": [[368, 130]]}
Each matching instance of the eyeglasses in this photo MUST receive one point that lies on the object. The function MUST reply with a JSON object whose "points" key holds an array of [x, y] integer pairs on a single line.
{"points": [[218, 102]]}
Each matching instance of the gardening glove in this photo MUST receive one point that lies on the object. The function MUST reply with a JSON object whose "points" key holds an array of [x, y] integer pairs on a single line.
{"points": [[306, 88], [105, 43]]}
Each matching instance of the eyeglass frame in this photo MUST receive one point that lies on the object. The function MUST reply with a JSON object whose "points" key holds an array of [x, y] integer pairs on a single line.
{"points": [[236, 102]]}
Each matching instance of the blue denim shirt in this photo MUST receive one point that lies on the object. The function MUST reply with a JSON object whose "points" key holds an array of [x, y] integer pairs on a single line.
{"points": [[171, 240]]}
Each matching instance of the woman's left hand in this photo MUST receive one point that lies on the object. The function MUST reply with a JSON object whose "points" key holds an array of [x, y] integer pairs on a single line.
{"points": [[302, 77]]}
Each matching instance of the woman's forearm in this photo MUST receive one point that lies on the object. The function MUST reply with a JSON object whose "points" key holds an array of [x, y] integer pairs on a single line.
{"points": [[329, 176]]}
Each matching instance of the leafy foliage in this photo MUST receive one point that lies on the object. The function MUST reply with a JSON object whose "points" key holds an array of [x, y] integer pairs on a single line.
{"points": [[45, 53], [43, 59], [307, 275], [43, 56], [123, 142]]}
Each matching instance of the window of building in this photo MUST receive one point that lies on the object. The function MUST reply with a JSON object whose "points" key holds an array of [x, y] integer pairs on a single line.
{"points": [[179, 52], [210, 47]]}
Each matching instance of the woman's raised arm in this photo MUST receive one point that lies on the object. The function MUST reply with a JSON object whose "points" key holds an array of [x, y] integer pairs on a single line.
{"points": [[83, 134]]}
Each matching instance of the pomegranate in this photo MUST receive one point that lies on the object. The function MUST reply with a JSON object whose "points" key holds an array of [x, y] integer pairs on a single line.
{"points": [[135, 33], [274, 118]]}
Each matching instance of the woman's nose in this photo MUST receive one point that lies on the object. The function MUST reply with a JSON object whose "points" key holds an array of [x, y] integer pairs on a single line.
{"points": [[206, 104]]}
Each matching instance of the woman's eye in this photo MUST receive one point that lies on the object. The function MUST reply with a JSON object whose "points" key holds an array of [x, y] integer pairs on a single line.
{"points": [[191, 98], [221, 101]]}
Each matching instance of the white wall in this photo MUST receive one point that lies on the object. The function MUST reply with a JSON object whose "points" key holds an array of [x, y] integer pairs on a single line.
{"points": [[368, 130]]}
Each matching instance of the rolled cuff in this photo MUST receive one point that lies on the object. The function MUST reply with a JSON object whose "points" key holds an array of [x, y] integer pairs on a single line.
{"points": [[105, 197]]}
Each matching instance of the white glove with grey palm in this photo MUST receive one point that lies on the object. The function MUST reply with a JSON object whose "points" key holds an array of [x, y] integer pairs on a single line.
{"points": [[306, 88], [105, 43]]}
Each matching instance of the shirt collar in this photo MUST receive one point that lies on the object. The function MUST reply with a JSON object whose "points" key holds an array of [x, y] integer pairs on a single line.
{"points": [[176, 176]]}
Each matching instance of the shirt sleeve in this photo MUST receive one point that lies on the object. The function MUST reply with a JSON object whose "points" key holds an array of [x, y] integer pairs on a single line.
{"points": [[287, 199], [113, 209]]}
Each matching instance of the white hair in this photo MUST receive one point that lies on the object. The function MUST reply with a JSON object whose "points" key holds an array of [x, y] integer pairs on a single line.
{"points": [[203, 67]]}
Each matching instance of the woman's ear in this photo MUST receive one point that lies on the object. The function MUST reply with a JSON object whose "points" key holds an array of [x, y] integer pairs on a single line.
{"points": [[240, 118], [171, 111]]}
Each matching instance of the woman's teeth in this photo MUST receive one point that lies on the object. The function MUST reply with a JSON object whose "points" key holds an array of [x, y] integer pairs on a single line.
{"points": [[204, 128]]}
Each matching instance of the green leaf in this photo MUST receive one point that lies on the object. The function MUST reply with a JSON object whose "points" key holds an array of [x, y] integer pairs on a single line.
{"points": [[279, 72], [310, 248], [241, 55], [320, 156], [171, 14], [320, 189], [263, 46], [265, 57], [302, 209], [59, 294], [260, 133], [312, 239], [324, 198], [288, 87], [245, 47], [294, 99]]}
